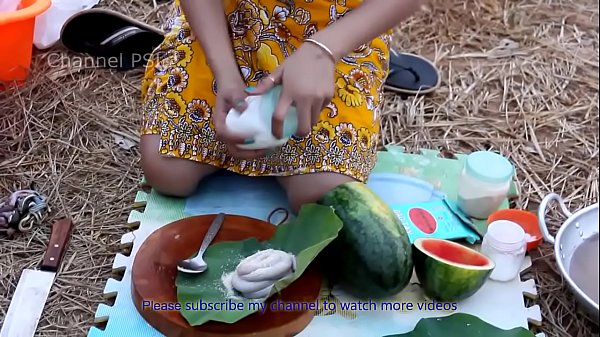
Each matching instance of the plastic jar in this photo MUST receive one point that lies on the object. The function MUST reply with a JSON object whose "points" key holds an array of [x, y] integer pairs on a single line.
{"points": [[255, 122], [484, 183], [505, 244]]}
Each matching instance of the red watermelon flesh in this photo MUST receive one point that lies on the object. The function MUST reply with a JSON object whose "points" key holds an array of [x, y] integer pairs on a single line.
{"points": [[449, 271], [455, 253]]}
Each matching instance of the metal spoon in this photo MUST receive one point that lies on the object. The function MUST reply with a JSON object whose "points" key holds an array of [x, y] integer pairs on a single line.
{"points": [[197, 265]]}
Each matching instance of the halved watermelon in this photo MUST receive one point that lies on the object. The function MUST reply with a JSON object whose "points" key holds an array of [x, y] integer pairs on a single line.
{"points": [[449, 271]]}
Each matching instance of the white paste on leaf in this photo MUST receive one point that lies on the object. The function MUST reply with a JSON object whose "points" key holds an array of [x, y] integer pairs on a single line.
{"points": [[255, 275]]}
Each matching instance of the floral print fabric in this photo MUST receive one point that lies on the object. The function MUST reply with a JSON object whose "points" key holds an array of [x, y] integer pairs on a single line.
{"points": [[179, 90]]}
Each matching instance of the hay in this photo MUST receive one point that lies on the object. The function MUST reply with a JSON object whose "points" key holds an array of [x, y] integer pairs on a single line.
{"points": [[519, 76]]}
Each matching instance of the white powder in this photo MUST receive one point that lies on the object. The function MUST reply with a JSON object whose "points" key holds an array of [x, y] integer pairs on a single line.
{"points": [[480, 208], [226, 279], [229, 291]]}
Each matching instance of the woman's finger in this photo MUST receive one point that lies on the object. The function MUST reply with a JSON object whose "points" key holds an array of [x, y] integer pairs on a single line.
{"points": [[317, 108], [267, 83], [218, 118], [230, 137], [304, 108], [325, 103], [244, 154], [237, 102], [281, 111]]}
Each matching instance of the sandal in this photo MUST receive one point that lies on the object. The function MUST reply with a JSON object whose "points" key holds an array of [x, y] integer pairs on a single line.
{"points": [[120, 42], [411, 74]]}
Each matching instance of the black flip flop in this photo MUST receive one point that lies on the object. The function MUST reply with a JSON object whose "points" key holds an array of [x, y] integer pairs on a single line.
{"points": [[118, 41], [411, 74]]}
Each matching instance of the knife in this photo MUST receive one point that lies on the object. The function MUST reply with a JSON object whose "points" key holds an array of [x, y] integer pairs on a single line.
{"points": [[32, 291]]}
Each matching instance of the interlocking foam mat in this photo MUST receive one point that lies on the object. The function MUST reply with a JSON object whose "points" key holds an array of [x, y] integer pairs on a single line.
{"points": [[500, 304]]}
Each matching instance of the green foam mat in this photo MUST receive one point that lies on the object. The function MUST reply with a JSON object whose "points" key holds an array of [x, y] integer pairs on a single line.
{"points": [[155, 211]]}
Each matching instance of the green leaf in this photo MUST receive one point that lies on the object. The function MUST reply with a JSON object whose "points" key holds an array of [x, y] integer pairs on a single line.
{"points": [[461, 325], [204, 298]]}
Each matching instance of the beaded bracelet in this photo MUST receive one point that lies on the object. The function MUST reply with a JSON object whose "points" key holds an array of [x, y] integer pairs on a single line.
{"points": [[322, 46]]}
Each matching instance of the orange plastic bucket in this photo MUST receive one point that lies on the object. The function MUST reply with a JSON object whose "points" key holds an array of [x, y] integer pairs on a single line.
{"points": [[16, 39]]}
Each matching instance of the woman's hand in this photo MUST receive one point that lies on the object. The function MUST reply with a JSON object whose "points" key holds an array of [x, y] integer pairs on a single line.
{"points": [[231, 94], [207, 20], [307, 79]]}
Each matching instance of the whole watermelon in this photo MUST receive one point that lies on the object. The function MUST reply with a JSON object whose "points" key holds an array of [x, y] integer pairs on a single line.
{"points": [[372, 255]]}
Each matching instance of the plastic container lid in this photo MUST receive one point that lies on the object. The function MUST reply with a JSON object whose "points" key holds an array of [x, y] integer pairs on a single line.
{"points": [[506, 235], [489, 167], [399, 189]]}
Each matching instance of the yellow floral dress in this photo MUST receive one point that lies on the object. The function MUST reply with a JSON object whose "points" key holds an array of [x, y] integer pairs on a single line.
{"points": [[179, 90]]}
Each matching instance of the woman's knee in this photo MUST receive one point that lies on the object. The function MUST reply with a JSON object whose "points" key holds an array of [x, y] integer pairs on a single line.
{"points": [[170, 176], [309, 188]]}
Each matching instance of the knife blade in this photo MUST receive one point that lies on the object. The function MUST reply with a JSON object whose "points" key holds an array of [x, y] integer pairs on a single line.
{"points": [[29, 298]]}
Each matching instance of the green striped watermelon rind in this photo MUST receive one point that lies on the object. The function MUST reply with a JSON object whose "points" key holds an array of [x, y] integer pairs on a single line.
{"points": [[445, 280], [371, 257]]}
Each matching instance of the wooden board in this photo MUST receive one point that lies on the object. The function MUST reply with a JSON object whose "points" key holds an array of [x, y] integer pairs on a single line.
{"points": [[155, 268]]}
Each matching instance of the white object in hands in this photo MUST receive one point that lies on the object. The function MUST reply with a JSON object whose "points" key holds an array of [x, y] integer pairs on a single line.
{"points": [[49, 24], [255, 275], [9, 5], [255, 122]]}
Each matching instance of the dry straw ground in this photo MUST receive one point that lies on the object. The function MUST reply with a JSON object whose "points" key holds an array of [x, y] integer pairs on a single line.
{"points": [[519, 76]]}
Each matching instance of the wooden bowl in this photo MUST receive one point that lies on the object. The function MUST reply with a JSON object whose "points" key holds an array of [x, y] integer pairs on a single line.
{"points": [[155, 269]]}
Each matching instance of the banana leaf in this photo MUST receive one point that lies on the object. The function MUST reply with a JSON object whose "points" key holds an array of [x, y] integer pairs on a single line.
{"points": [[461, 325], [305, 237]]}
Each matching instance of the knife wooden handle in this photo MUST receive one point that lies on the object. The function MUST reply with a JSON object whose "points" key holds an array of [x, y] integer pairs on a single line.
{"points": [[59, 240]]}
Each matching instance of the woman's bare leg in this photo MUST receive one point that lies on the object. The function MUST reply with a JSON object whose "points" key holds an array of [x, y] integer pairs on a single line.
{"points": [[170, 176], [309, 188]]}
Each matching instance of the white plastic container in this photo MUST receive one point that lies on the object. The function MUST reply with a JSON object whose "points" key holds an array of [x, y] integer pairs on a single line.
{"points": [[49, 24], [505, 244], [484, 183], [255, 122]]}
